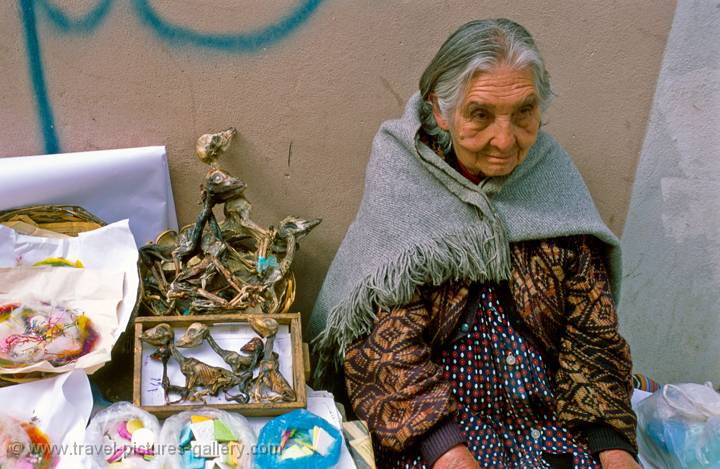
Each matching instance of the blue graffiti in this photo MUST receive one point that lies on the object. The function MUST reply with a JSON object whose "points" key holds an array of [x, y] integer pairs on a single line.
{"points": [[175, 34], [84, 24], [37, 76], [238, 42]]}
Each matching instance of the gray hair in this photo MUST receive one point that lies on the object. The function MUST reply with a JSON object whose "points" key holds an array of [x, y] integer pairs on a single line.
{"points": [[476, 47]]}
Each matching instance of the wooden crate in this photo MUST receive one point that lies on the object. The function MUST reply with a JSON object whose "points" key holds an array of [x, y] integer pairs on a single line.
{"points": [[251, 409]]}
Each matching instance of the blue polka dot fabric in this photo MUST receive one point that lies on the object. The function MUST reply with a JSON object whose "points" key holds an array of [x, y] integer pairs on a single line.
{"points": [[505, 395]]}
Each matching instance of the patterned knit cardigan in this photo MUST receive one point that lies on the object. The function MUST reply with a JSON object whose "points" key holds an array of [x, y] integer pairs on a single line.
{"points": [[561, 302]]}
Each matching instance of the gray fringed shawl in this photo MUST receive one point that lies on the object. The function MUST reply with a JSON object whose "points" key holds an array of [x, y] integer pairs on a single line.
{"points": [[421, 222]]}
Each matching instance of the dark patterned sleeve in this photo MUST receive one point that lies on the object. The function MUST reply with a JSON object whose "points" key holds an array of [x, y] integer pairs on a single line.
{"points": [[594, 381], [393, 383]]}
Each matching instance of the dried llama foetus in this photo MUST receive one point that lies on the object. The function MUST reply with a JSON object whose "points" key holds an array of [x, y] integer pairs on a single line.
{"points": [[228, 266]]}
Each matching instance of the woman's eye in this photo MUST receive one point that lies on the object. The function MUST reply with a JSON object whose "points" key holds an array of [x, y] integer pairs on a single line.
{"points": [[480, 115], [524, 113], [527, 110]]}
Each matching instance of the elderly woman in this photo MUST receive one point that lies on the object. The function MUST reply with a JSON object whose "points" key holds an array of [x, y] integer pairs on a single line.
{"points": [[470, 302]]}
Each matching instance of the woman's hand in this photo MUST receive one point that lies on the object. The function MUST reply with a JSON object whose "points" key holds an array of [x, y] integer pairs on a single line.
{"points": [[618, 459], [457, 457]]}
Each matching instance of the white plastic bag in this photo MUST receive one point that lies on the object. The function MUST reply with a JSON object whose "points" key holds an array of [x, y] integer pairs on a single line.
{"points": [[14, 442], [103, 438], [170, 434], [679, 427]]}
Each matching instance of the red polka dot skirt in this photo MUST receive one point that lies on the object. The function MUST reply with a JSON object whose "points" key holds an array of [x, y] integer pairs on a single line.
{"points": [[505, 395]]}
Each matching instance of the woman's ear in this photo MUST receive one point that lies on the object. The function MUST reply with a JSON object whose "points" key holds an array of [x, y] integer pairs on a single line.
{"points": [[441, 121]]}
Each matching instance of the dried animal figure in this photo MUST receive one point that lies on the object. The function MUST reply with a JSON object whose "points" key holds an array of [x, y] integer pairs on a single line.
{"points": [[242, 396], [206, 270], [265, 328], [254, 347], [160, 336], [155, 259], [223, 266], [296, 227], [271, 385], [219, 187], [197, 332], [197, 373], [291, 230], [194, 335], [237, 218], [210, 146], [163, 355]]}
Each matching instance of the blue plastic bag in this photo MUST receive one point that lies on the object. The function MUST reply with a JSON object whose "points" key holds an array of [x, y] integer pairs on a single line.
{"points": [[268, 455], [679, 427]]}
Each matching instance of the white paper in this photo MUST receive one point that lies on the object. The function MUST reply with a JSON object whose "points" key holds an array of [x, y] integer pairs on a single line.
{"points": [[204, 432], [228, 337], [61, 407], [111, 247], [132, 183], [323, 442]]}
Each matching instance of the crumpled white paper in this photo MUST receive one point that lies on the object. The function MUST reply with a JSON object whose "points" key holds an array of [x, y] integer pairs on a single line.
{"points": [[61, 408], [111, 247]]}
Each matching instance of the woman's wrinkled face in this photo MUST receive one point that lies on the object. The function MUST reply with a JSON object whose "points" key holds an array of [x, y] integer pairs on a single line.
{"points": [[496, 122]]}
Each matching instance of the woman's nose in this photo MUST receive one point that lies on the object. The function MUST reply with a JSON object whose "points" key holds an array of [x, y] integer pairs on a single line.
{"points": [[503, 136]]}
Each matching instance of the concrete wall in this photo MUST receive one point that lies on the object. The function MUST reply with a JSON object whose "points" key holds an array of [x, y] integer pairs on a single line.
{"points": [[671, 294], [306, 82]]}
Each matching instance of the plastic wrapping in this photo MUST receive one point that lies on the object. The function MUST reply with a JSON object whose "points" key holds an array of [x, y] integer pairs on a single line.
{"points": [[23, 445], [174, 442], [14, 442], [679, 427], [111, 432], [275, 435], [34, 332]]}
